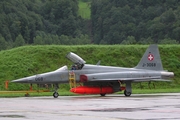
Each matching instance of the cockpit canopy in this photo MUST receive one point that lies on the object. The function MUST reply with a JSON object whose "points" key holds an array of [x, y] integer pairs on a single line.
{"points": [[78, 61]]}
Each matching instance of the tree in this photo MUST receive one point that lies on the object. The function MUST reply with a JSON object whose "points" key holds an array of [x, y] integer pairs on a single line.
{"points": [[55, 39], [38, 40], [19, 41], [64, 40], [3, 43], [168, 41], [168, 17], [129, 40]]}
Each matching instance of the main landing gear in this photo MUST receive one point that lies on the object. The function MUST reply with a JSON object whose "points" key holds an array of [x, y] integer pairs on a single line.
{"points": [[126, 93], [56, 94], [128, 90]]}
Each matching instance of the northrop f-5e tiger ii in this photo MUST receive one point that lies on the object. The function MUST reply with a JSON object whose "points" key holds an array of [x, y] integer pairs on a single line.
{"points": [[98, 79]]}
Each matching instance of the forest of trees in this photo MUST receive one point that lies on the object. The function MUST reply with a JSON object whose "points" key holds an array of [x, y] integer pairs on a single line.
{"points": [[40, 22], [135, 21]]}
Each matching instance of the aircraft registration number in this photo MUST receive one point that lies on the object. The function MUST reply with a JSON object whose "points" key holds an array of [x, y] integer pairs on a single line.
{"points": [[149, 64]]}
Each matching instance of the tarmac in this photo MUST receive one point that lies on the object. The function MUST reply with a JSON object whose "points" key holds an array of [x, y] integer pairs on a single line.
{"points": [[92, 107]]}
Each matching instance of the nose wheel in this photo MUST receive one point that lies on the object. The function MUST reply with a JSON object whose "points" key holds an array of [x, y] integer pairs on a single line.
{"points": [[55, 94]]}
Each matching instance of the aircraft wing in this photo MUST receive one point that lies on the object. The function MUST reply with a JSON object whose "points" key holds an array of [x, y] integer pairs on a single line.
{"points": [[125, 79], [144, 79], [122, 76]]}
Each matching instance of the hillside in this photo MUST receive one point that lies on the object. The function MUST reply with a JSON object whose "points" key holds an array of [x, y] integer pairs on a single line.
{"points": [[135, 21], [77, 22], [29, 60], [42, 22]]}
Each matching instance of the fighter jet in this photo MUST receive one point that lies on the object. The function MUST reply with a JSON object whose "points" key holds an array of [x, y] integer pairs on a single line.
{"points": [[98, 79]]}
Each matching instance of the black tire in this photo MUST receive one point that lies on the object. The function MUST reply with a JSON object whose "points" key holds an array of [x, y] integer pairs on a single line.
{"points": [[102, 94], [55, 94], [126, 93]]}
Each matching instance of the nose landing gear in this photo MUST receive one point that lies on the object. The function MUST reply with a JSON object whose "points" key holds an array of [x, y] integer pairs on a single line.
{"points": [[56, 94]]}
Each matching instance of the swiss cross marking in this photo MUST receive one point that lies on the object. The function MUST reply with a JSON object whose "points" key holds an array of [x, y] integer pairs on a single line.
{"points": [[150, 57]]}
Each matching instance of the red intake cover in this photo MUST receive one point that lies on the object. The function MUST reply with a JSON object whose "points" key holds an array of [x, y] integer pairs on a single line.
{"points": [[83, 78]]}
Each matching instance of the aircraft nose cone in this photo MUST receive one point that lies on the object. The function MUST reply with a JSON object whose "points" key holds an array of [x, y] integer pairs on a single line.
{"points": [[25, 80]]}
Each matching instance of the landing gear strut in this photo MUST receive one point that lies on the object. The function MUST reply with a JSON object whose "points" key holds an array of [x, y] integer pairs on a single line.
{"points": [[128, 90], [56, 94]]}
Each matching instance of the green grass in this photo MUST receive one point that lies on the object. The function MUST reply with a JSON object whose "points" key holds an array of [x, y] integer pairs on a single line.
{"points": [[34, 94], [84, 9], [67, 93], [152, 91]]}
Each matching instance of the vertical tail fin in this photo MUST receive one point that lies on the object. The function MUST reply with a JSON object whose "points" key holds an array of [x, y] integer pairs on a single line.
{"points": [[151, 59]]}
